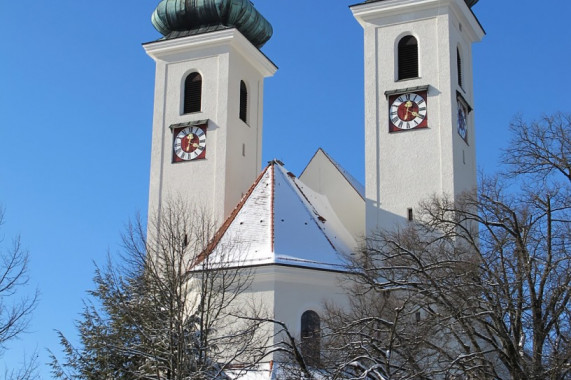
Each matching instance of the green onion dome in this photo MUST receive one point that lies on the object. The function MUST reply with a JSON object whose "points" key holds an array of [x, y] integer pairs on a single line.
{"points": [[174, 17]]}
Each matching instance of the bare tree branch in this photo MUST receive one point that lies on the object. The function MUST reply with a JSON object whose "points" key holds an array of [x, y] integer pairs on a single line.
{"points": [[15, 307], [541, 147]]}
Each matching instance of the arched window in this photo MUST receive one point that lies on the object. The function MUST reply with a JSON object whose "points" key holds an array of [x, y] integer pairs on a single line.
{"points": [[311, 337], [459, 65], [243, 102], [193, 93], [408, 58]]}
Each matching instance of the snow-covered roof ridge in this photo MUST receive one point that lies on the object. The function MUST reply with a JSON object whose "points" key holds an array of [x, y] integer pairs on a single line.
{"points": [[282, 221]]}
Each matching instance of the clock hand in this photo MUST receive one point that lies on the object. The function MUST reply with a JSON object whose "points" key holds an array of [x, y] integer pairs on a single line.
{"points": [[189, 138], [407, 105]]}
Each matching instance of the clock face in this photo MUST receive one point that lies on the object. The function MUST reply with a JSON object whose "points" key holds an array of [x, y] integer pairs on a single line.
{"points": [[407, 111], [189, 143], [462, 121]]}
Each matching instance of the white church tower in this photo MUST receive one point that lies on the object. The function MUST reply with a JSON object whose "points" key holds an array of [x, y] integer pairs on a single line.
{"points": [[207, 123], [419, 124]]}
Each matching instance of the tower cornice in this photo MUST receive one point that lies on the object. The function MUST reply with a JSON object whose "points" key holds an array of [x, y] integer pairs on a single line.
{"points": [[378, 12], [171, 49]]}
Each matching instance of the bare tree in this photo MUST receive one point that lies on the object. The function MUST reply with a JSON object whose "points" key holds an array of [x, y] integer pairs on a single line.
{"points": [[171, 310], [14, 311], [412, 298], [15, 307], [478, 287], [291, 363], [541, 147], [28, 369]]}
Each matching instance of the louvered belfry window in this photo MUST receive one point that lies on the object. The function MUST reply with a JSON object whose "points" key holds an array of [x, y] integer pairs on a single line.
{"points": [[193, 93], [408, 58], [243, 102], [459, 64]]}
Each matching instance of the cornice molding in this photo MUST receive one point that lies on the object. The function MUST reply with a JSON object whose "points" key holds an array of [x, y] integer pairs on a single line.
{"points": [[226, 40], [368, 14]]}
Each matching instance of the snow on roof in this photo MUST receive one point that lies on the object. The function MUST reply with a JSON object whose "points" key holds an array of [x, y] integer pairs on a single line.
{"points": [[282, 221]]}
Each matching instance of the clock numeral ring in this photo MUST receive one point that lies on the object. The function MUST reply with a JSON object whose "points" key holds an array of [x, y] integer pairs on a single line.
{"points": [[189, 143], [408, 111]]}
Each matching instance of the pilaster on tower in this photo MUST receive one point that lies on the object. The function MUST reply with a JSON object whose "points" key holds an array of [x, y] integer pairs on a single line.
{"points": [[208, 107], [419, 119]]}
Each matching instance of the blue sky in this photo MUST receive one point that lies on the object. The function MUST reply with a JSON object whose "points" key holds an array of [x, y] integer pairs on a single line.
{"points": [[76, 100]]}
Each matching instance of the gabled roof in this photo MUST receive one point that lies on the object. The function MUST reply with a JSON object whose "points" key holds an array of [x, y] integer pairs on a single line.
{"points": [[282, 221], [358, 186], [344, 193]]}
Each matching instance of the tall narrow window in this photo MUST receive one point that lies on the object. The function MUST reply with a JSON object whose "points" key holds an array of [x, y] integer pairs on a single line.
{"points": [[311, 337], [243, 102], [193, 93], [459, 64], [408, 58]]}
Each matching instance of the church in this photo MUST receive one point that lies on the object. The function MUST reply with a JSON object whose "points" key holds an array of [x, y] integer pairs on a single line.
{"points": [[207, 139]]}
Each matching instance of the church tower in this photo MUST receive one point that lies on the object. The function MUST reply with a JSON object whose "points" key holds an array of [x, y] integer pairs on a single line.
{"points": [[419, 120], [209, 84]]}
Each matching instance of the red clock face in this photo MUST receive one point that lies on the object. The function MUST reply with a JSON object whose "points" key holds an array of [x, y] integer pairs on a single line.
{"points": [[407, 111], [189, 143]]}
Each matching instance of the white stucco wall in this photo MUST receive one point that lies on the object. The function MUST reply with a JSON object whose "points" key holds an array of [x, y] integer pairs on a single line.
{"points": [[287, 292], [223, 59], [403, 168]]}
